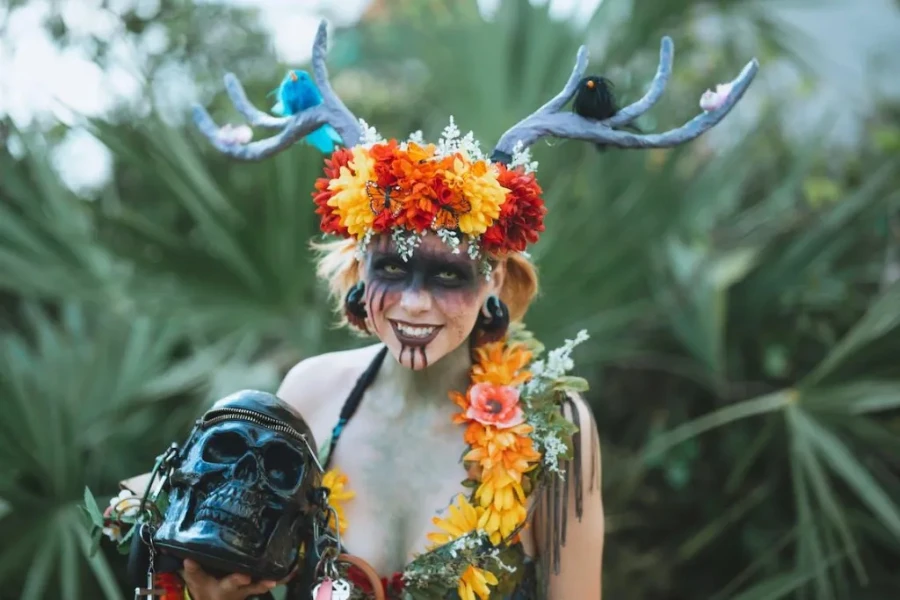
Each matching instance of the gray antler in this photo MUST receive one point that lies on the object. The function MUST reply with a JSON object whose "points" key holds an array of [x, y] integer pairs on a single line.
{"points": [[548, 121], [332, 111]]}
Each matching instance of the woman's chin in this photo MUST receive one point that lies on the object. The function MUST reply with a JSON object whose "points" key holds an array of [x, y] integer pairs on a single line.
{"points": [[413, 357]]}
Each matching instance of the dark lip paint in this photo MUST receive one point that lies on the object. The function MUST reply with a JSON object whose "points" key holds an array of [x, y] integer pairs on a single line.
{"points": [[413, 342]]}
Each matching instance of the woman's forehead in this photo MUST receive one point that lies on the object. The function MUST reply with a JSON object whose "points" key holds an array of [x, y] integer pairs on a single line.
{"points": [[430, 246]]}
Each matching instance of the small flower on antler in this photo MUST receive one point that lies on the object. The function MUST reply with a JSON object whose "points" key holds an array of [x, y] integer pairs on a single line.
{"points": [[711, 100], [235, 134]]}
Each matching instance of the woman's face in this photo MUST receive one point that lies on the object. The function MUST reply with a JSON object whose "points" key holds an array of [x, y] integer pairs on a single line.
{"points": [[424, 308]]}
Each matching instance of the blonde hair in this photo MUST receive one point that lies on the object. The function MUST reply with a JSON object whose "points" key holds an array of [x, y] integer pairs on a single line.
{"points": [[339, 267]]}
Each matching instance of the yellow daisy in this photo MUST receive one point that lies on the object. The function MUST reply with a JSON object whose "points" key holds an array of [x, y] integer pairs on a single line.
{"points": [[463, 518], [475, 582], [336, 482], [479, 185], [350, 196]]}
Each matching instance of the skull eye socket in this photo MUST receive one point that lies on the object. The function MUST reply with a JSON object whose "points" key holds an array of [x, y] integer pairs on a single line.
{"points": [[284, 466], [224, 447]]}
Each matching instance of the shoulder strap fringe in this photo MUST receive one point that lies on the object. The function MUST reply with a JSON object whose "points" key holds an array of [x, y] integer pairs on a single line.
{"points": [[553, 500]]}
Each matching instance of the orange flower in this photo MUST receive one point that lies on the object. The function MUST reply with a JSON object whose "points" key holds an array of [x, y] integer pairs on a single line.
{"points": [[501, 364], [496, 405]]}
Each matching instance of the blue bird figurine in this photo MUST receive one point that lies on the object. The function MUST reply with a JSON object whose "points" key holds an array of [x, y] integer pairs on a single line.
{"points": [[297, 93]]}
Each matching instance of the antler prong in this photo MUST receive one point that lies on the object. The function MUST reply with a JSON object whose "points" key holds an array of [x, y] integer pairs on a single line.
{"points": [[568, 91], [657, 87], [549, 121], [331, 111], [254, 116]]}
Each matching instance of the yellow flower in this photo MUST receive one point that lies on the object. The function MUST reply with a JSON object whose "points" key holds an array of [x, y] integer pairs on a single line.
{"points": [[475, 582], [500, 523], [350, 197], [480, 187], [336, 483], [501, 364], [463, 519]]}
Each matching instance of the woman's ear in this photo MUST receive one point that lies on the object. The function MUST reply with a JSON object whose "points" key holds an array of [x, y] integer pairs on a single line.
{"points": [[360, 269], [498, 276]]}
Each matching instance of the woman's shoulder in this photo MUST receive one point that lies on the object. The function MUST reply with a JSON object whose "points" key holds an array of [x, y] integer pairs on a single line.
{"points": [[327, 374]]}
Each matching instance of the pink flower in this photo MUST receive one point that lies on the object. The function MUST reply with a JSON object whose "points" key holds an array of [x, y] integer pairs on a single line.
{"points": [[235, 134], [497, 405], [711, 100]]}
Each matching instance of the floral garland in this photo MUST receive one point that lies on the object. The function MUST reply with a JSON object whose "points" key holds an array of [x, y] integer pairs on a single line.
{"points": [[516, 434], [449, 188]]}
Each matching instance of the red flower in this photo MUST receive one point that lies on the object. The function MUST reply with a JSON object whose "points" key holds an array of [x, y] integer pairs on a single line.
{"points": [[171, 584], [331, 221], [384, 155], [393, 585], [521, 215]]}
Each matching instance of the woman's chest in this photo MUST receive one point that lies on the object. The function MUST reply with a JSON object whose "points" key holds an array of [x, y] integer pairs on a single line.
{"points": [[404, 472]]}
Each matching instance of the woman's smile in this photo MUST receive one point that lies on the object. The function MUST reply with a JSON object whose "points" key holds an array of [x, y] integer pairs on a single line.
{"points": [[411, 334]]}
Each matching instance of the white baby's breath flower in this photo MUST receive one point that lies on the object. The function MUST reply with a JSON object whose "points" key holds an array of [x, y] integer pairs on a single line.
{"points": [[417, 137], [406, 242], [363, 245], [485, 268], [450, 239], [370, 135], [522, 158], [471, 147], [557, 363], [553, 448]]}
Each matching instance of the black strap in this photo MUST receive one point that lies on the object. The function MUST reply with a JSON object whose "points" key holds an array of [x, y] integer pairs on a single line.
{"points": [[354, 399]]}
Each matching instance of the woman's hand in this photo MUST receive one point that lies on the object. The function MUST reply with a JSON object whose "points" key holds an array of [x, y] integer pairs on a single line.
{"points": [[203, 586]]}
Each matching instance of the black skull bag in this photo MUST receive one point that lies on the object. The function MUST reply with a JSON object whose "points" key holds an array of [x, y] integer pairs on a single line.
{"points": [[239, 490]]}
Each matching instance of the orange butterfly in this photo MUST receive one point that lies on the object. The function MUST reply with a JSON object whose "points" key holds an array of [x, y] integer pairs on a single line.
{"points": [[381, 198], [447, 216]]}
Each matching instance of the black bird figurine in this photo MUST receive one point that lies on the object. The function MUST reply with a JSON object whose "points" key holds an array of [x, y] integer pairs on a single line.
{"points": [[595, 100]]}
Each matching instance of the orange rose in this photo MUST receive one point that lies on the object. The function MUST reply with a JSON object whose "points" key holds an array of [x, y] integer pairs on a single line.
{"points": [[496, 405]]}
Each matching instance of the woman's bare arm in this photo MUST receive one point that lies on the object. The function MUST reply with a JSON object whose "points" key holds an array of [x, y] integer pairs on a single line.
{"points": [[581, 558]]}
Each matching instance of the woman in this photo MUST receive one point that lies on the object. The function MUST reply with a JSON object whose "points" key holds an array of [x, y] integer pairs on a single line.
{"points": [[429, 260]]}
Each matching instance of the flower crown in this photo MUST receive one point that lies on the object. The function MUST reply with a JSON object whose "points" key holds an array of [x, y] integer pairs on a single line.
{"points": [[409, 189], [372, 186]]}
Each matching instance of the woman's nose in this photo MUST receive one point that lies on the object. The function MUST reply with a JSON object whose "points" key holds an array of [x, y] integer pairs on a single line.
{"points": [[415, 301]]}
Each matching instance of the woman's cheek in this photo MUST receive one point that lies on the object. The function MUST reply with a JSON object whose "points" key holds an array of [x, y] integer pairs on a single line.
{"points": [[460, 309], [379, 296]]}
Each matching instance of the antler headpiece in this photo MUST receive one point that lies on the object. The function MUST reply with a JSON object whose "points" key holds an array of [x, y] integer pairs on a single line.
{"points": [[451, 188]]}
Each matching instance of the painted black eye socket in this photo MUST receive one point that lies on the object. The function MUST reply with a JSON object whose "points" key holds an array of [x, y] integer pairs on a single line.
{"points": [[390, 268], [449, 275]]}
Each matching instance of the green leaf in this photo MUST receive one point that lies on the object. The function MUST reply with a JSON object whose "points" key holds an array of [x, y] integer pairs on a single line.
{"points": [[882, 318], [101, 569], [859, 397], [571, 384], [93, 510], [854, 474], [742, 410], [825, 495], [776, 587]]}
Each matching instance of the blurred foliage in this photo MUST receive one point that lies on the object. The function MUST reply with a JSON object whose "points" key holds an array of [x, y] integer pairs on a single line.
{"points": [[743, 297]]}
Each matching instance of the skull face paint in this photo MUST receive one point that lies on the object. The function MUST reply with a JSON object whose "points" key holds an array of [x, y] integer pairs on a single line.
{"points": [[239, 496], [425, 307]]}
